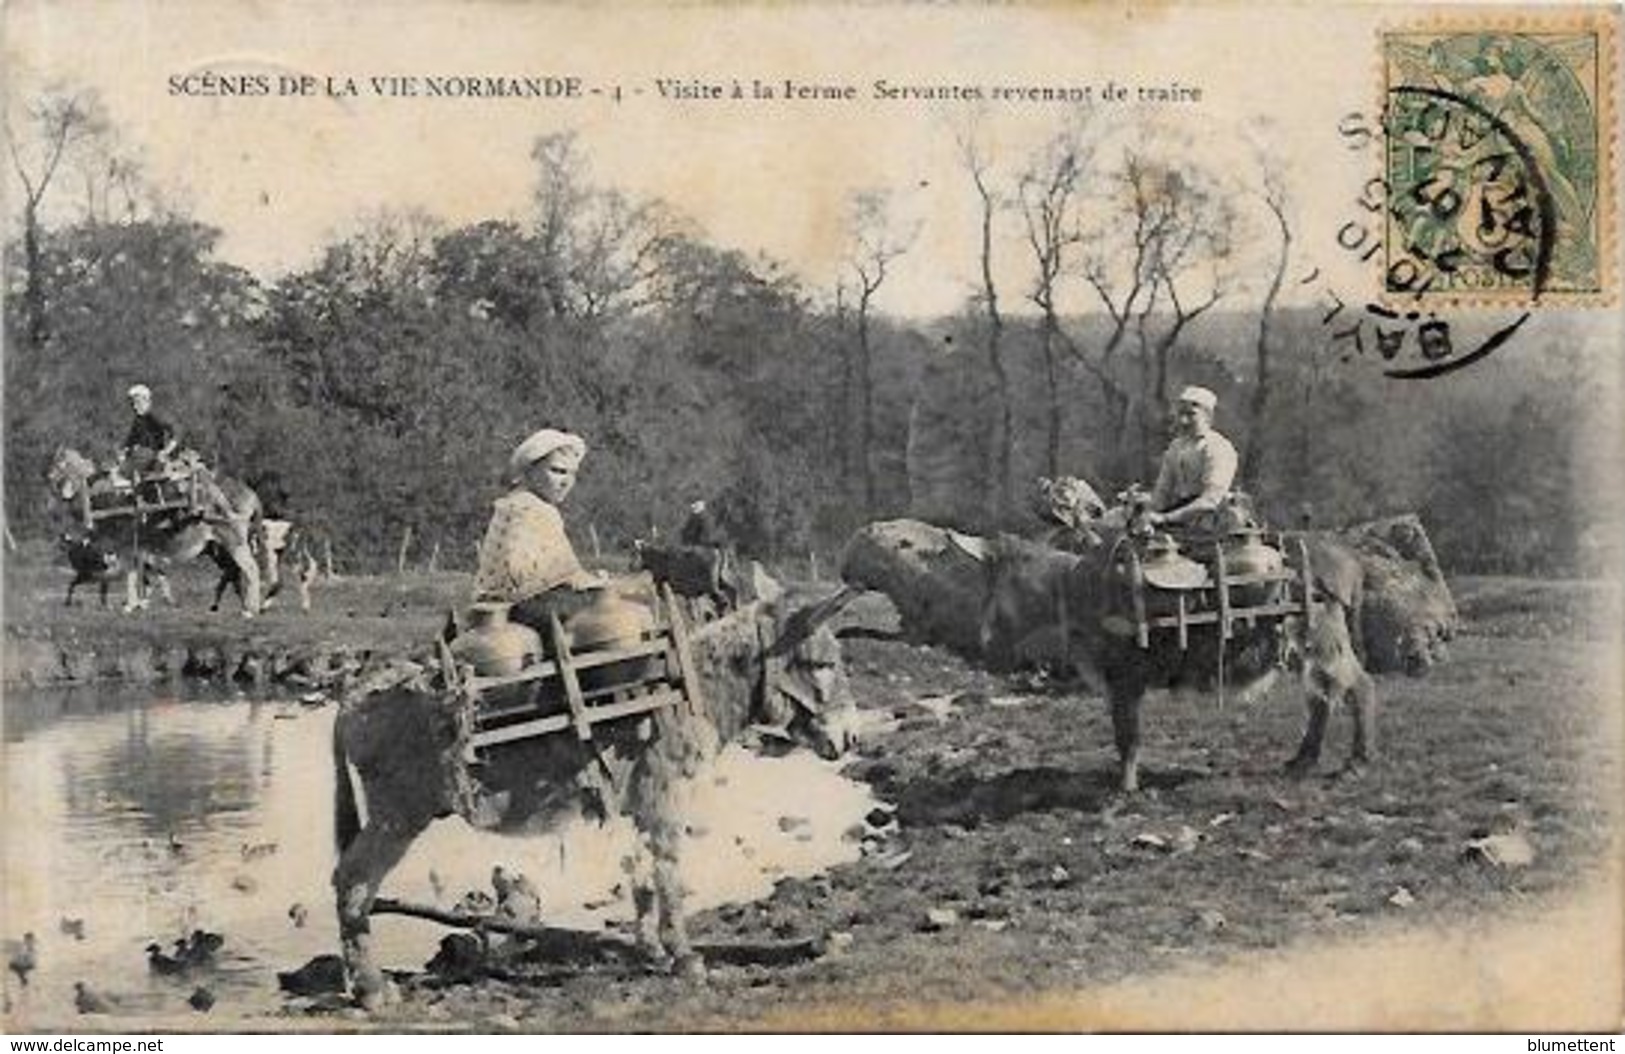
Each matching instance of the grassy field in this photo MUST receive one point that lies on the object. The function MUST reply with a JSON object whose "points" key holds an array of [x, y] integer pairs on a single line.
{"points": [[1058, 885], [1051, 894]]}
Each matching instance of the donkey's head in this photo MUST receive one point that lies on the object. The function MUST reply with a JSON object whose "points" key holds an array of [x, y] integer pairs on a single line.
{"points": [[805, 691], [70, 473]]}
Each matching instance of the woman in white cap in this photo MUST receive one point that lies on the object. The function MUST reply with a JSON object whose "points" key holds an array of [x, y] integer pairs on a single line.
{"points": [[1198, 467], [526, 558]]}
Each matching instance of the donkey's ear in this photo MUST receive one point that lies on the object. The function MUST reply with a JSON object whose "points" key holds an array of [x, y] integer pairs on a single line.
{"points": [[762, 586], [803, 622], [976, 548]]}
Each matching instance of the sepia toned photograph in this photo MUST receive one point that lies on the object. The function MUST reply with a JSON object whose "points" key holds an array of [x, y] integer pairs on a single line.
{"points": [[525, 517]]}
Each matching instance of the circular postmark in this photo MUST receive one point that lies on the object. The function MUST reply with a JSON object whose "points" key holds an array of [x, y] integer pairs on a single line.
{"points": [[1417, 328], [1470, 212]]}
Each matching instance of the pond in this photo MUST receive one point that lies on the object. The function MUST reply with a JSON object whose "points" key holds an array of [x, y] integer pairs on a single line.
{"points": [[139, 816]]}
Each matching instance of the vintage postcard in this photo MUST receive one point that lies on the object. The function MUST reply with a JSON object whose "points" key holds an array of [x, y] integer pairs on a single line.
{"points": [[689, 517]]}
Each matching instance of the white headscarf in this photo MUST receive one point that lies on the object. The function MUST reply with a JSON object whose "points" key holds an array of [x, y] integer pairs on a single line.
{"points": [[540, 444]]}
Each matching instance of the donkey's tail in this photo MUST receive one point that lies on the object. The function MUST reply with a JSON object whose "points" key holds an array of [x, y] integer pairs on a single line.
{"points": [[346, 818]]}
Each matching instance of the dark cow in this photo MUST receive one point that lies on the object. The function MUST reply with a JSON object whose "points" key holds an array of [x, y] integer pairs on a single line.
{"points": [[699, 572], [91, 563], [275, 538]]}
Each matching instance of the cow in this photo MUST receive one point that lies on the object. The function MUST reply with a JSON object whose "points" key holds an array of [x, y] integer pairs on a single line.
{"points": [[697, 572], [91, 563], [274, 539]]}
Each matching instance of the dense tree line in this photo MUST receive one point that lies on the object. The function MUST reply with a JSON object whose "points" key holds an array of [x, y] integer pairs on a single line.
{"points": [[380, 389]]}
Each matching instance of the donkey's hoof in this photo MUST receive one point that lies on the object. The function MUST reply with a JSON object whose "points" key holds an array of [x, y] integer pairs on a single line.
{"points": [[382, 996], [1354, 768], [689, 967], [1299, 767], [654, 955]]}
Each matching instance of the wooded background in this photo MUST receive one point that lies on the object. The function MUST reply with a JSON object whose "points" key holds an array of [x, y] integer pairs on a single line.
{"points": [[381, 388]]}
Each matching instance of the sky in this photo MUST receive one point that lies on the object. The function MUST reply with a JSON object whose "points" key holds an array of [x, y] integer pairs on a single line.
{"points": [[279, 174]]}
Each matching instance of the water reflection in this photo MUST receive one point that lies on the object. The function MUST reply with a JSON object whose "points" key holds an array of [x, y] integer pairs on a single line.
{"points": [[146, 815]]}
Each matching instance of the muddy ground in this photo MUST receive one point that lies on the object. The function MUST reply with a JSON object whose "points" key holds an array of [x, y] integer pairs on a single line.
{"points": [[1011, 875]]}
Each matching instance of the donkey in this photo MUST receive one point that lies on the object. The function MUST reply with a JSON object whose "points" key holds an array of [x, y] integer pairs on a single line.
{"points": [[399, 740], [1031, 587], [230, 522]]}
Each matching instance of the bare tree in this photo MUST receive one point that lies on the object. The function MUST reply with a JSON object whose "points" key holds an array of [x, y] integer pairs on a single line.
{"points": [[1126, 291], [114, 181], [56, 124], [1189, 266], [1275, 199], [1047, 197], [1180, 223], [876, 240], [600, 249], [973, 155]]}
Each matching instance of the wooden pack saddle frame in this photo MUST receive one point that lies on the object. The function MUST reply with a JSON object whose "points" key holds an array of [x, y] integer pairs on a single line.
{"points": [[1216, 604], [152, 494], [659, 669]]}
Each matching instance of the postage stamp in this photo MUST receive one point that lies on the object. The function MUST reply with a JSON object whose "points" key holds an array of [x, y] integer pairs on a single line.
{"points": [[1499, 166]]}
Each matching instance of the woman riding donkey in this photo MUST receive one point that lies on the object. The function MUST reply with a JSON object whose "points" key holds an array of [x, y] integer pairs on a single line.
{"points": [[220, 516], [526, 558]]}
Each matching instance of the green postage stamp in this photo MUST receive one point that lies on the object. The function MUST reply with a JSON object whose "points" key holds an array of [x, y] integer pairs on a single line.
{"points": [[1499, 166]]}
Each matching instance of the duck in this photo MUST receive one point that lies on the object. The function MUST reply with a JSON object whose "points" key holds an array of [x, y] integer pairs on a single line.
{"points": [[89, 1001], [201, 1000], [200, 948], [517, 899], [320, 976], [74, 928], [166, 965], [23, 956], [460, 957]]}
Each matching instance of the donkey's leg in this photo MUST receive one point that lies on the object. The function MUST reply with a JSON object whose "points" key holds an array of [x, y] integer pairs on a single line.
{"points": [[657, 891], [645, 901], [361, 870], [1125, 690], [249, 570], [133, 600], [670, 895], [1362, 704], [1318, 704], [271, 579], [1126, 732]]}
